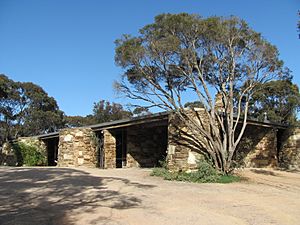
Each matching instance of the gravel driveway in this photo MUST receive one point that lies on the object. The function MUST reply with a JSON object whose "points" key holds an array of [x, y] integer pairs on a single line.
{"points": [[39, 196]]}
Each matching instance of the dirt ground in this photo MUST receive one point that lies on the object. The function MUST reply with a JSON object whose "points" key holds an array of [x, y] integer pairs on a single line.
{"points": [[39, 196]]}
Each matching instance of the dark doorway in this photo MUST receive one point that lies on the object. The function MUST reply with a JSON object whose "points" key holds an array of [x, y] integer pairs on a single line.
{"points": [[281, 138], [52, 150], [121, 150], [100, 149]]}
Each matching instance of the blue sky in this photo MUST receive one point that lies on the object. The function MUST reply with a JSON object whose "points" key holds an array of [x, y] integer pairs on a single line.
{"points": [[67, 46]]}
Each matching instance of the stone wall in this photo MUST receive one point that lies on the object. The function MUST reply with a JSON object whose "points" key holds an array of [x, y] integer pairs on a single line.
{"points": [[258, 148], [184, 148], [289, 153], [146, 145], [77, 147], [8, 156], [109, 145]]}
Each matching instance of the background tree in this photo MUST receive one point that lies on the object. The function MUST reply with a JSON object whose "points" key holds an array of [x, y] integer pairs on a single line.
{"points": [[79, 121], [185, 54], [195, 104], [10, 108], [104, 111], [41, 114], [279, 99], [26, 109], [141, 111]]}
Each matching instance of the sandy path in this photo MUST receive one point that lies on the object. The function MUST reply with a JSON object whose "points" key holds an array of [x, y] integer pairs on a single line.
{"points": [[130, 196]]}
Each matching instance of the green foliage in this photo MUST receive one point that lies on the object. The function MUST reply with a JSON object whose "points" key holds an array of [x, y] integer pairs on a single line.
{"points": [[224, 179], [163, 163], [104, 111], [280, 99], [195, 104], [206, 170], [167, 51], [205, 173], [163, 172], [26, 110], [79, 121], [29, 155], [181, 55], [141, 111]]}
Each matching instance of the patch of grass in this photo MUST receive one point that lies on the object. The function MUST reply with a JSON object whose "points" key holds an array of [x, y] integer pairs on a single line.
{"points": [[161, 172], [194, 177], [225, 179]]}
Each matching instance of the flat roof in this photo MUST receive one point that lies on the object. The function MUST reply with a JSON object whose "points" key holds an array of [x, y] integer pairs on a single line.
{"points": [[156, 117], [115, 124]]}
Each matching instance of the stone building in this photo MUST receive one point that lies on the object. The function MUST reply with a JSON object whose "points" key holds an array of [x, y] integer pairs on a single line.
{"points": [[136, 142], [147, 140]]}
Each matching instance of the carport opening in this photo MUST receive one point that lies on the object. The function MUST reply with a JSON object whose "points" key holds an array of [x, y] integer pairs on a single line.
{"points": [[147, 144], [139, 145]]}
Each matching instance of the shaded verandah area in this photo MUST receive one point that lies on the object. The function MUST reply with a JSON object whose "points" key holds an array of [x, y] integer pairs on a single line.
{"points": [[137, 142], [138, 145]]}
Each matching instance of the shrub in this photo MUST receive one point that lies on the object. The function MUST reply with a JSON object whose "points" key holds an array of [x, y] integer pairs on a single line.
{"points": [[162, 172], [29, 155], [163, 163], [205, 173]]}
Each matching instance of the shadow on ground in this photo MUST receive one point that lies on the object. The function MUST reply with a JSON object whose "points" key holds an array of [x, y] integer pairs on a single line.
{"points": [[46, 196], [264, 172]]}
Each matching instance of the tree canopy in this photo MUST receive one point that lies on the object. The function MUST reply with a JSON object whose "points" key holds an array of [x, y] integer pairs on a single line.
{"points": [[195, 104], [183, 54], [26, 109], [279, 99], [79, 121], [103, 111]]}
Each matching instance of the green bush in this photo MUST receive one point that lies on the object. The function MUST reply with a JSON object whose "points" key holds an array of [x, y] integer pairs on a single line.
{"points": [[29, 155], [205, 173], [163, 163], [162, 172]]}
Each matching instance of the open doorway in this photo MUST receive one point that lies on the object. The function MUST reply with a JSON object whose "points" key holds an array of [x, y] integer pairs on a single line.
{"points": [[52, 150], [100, 149], [121, 148]]}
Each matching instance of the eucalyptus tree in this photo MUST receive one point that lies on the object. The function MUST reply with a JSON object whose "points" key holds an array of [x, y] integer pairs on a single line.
{"points": [[183, 54], [105, 111], [26, 109], [279, 100]]}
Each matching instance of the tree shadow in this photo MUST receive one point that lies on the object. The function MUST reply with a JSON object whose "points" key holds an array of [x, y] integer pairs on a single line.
{"points": [[264, 172], [251, 152], [292, 170], [48, 195]]}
